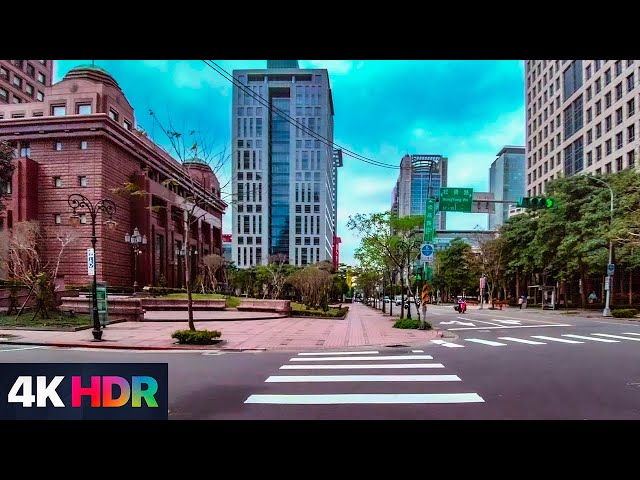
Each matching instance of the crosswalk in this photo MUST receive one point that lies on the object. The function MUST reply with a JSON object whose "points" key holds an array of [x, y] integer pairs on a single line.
{"points": [[567, 338], [310, 385]]}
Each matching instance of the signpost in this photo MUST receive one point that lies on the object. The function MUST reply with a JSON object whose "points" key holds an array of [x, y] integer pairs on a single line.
{"points": [[483, 285], [91, 262], [426, 252], [611, 268], [429, 221], [456, 199]]}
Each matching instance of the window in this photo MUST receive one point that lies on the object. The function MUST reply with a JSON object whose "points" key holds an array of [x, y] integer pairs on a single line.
{"points": [[113, 115], [619, 91], [17, 99], [631, 107], [607, 76], [57, 219], [598, 108], [631, 161], [618, 66], [84, 109], [17, 81], [127, 124], [57, 146], [588, 72], [618, 141], [607, 123], [41, 78], [608, 147], [4, 95], [58, 110], [589, 115], [629, 63], [589, 159], [598, 153], [83, 145], [619, 116], [573, 157], [630, 83], [572, 78], [631, 133], [618, 164], [29, 89], [4, 73], [607, 100], [598, 85], [588, 93], [40, 96], [83, 218], [31, 71], [589, 137], [573, 117], [83, 181], [25, 149], [57, 182], [607, 167]]}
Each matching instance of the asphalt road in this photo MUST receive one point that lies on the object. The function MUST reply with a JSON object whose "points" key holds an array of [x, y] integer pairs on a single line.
{"points": [[534, 366]]}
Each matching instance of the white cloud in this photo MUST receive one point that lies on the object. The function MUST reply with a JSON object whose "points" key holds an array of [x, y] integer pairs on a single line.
{"points": [[335, 67], [162, 65], [186, 75], [508, 129]]}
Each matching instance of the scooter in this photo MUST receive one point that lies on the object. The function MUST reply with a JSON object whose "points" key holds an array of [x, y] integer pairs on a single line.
{"points": [[461, 307]]}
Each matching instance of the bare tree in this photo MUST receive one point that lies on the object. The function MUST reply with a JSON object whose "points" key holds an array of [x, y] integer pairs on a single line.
{"points": [[277, 268], [312, 283], [212, 264]]}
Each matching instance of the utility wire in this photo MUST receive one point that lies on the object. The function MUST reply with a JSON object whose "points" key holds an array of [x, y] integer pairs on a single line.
{"points": [[221, 71]]}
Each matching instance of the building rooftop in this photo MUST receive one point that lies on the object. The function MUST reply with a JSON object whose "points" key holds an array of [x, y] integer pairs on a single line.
{"points": [[511, 149], [92, 72]]}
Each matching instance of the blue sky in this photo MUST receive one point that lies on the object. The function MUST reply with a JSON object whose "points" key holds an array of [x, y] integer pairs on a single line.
{"points": [[464, 110]]}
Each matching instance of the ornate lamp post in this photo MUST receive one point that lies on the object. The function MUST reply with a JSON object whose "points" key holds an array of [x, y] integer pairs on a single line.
{"points": [[137, 241], [78, 202]]}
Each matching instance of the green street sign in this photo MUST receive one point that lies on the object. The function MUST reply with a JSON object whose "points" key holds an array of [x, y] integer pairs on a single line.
{"points": [[454, 199], [429, 221], [428, 272]]}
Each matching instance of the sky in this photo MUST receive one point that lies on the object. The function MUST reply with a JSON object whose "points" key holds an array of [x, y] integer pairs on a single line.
{"points": [[464, 110]]}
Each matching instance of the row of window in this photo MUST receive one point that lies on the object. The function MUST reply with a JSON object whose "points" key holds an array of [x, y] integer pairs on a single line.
{"points": [[248, 258], [86, 109], [249, 240], [25, 147], [249, 208], [83, 181], [5, 95]]}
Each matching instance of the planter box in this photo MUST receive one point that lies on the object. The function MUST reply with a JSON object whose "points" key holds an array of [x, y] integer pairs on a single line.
{"points": [[128, 309], [180, 304], [276, 306]]}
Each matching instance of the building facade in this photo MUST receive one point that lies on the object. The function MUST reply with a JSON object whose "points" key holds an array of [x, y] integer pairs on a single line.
{"points": [[24, 81], [82, 139], [582, 117], [421, 177], [506, 182], [227, 245], [284, 168]]}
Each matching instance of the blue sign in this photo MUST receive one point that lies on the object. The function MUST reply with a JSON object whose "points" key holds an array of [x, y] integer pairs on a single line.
{"points": [[427, 249], [611, 268]]}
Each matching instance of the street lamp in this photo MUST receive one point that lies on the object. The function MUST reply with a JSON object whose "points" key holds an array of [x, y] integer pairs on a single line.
{"points": [[77, 201], [136, 240], [607, 312]]}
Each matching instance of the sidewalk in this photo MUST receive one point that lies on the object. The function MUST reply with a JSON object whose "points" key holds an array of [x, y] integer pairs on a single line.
{"points": [[363, 326]]}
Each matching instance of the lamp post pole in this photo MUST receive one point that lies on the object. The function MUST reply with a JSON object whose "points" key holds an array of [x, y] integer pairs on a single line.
{"points": [[136, 240], [607, 311], [77, 201]]}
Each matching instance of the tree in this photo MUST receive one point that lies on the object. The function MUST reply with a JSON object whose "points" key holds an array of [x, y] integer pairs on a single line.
{"points": [[455, 271], [212, 264], [190, 149], [491, 261], [313, 284], [6, 169]]}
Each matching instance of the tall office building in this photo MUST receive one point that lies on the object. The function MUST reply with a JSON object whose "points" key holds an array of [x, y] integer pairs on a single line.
{"points": [[506, 182], [24, 81], [284, 168], [421, 176], [581, 117]]}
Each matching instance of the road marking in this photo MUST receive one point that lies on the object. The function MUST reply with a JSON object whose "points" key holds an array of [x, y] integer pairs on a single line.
{"points": [[512, 326], [486, 342], [591, 338], [417, 351], [483, 321], [381, 366], [383, 357], [23, 348], [508, 322], [447, 344], [629, 333], [530, 342], [342, 353], [515, 318], [617, 336], [371, 398], [361, 378], [552, 339], [456, 322]]}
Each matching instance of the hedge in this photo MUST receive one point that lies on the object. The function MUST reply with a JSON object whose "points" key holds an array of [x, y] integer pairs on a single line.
{"points": [[624, 313], [314, 313], [407, 323], [196, 337]]}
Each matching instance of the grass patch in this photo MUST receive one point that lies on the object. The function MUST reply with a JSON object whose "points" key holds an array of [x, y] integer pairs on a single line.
{"points": [[231, 302], [196, 337], [407, 323], [55, 320], [301, 310]]}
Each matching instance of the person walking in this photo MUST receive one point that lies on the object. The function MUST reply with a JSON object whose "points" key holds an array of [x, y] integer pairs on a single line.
{"points": [[520, 301]]}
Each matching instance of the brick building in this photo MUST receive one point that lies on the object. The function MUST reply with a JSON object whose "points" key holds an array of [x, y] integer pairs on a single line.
{"points": [[82, 139], [23, 81]]}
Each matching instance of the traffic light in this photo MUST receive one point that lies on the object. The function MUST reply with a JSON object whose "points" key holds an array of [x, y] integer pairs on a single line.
{"points": [[536, 202]]}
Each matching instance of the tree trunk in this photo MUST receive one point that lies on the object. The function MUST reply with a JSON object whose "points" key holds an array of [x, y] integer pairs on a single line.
{"points": [[401, 294], [631, 287], [187, 270], [583, 279]]}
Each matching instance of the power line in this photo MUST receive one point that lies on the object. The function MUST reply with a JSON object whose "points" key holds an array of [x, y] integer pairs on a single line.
{"points": [[221, 71]]}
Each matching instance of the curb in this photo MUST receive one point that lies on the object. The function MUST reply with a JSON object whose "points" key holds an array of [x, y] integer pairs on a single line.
{"points": [[123, 347]]}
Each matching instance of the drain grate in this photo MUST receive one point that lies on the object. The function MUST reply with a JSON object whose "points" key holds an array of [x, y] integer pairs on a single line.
{"points": [[396, 346]]}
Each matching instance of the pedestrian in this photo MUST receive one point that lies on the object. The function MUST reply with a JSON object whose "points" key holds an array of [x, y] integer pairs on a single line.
{"points": [[520, 302], [524, 301], [592, 297]]}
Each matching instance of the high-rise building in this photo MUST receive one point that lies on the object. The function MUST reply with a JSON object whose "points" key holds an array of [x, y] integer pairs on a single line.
{"points": [[284, 167], [227, 244], [581, 117], [421, 177], [24, 81], [506, 182]]}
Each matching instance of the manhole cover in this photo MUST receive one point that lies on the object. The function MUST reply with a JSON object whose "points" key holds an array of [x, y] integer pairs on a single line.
{"points": [[396, 346]]}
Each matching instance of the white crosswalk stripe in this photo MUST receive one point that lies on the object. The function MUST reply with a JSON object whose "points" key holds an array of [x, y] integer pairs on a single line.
{"points": [[627, 333], [447, 344], [591, 338], [354, 360], [553, 339], [366, 352], [617, 336], [520, 340], [485, 342]]}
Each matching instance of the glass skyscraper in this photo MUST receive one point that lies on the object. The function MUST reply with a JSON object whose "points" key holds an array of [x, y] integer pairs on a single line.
{"points": [[506, 182], [284, 166]]}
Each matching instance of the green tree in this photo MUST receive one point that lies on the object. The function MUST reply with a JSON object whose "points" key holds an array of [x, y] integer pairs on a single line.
{"points": [[456, 270]]}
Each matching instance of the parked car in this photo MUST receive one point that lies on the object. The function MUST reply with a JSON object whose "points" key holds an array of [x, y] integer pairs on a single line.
{"points": [[386, 299]]}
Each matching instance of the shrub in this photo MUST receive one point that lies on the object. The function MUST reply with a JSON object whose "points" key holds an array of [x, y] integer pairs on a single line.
{"points": [[407, 323], [624, 313], [196, 337], [318, 313]]}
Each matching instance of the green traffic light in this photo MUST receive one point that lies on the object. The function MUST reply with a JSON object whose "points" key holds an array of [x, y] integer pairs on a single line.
{"points": [[549, 203]]}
